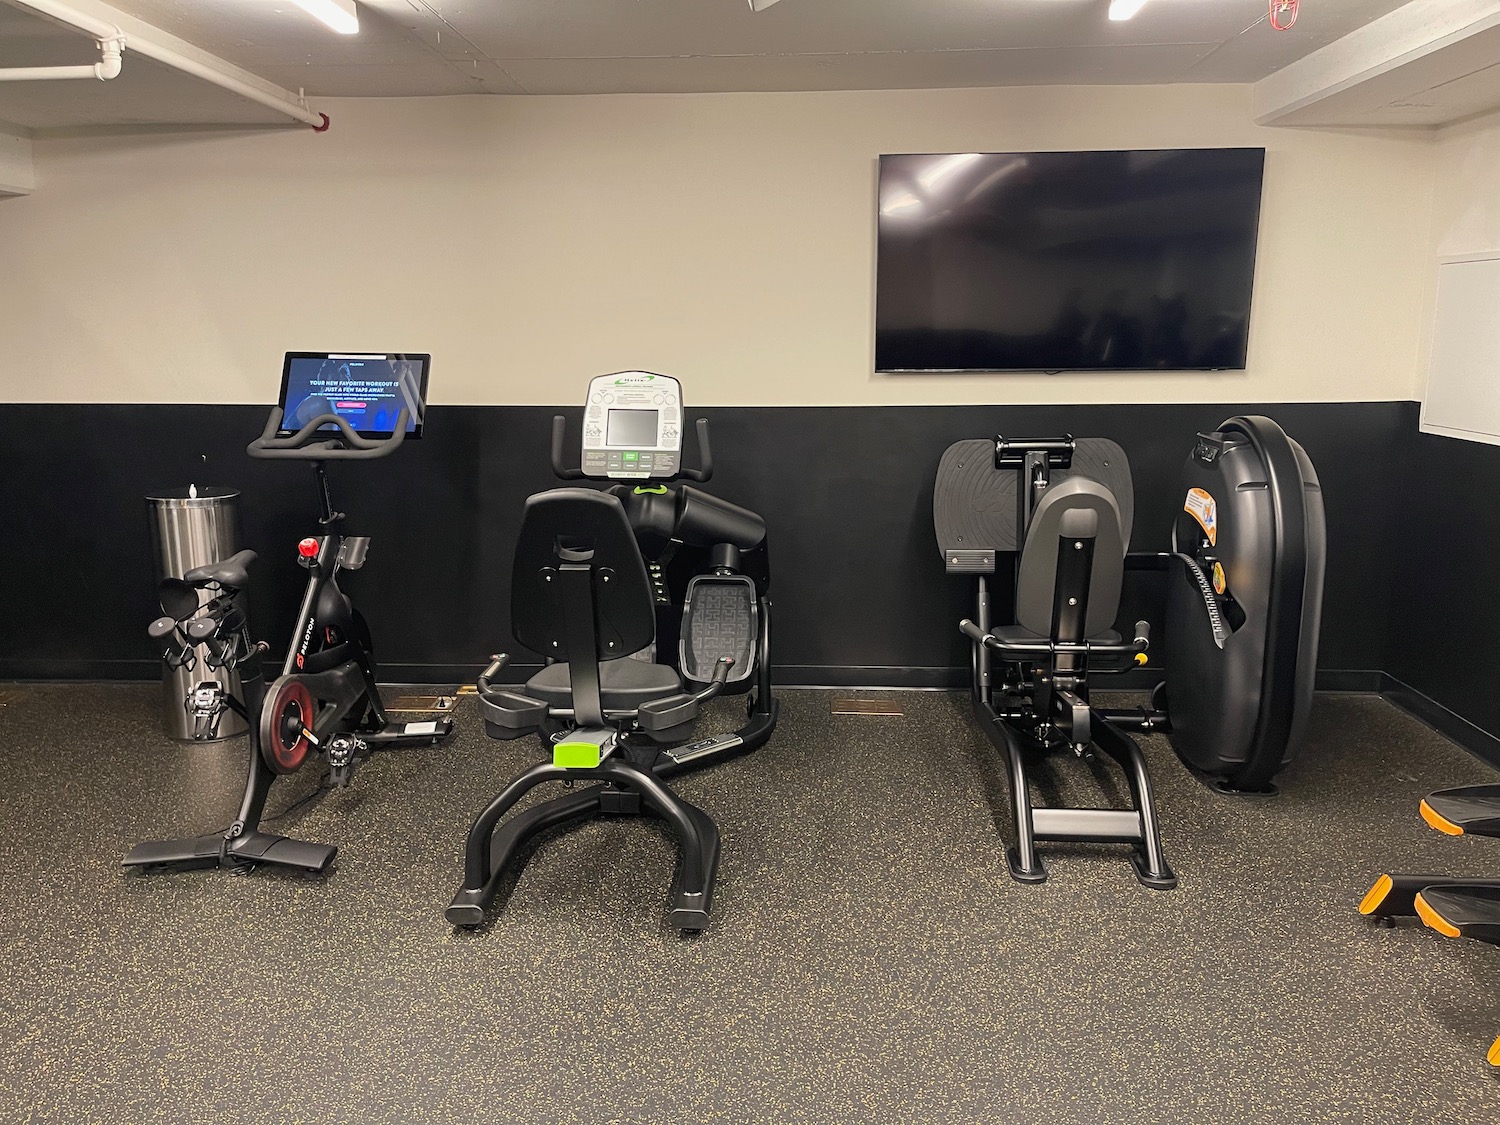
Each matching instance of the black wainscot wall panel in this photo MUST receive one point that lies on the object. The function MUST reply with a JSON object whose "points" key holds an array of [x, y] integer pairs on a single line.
{"points": [[859, 589]]}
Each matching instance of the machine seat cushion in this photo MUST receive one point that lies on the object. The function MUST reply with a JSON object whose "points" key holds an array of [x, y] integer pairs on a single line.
{"points": [[232, 573], [623, 684], [1014, 633]]}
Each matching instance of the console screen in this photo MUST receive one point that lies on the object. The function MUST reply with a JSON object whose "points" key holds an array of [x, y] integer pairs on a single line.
{"points": [[632, 429], [367, 391]]}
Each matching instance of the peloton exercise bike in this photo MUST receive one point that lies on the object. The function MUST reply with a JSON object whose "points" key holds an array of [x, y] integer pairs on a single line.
{"points": [[326, 704], [1245, 580], [647, 599]]}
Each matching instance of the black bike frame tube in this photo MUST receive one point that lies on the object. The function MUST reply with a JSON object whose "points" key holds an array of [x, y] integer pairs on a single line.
{"points": [[323, 571]]}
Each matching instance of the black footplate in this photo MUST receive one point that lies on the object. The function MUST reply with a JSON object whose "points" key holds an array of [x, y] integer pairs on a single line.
{"points": [[720, 617]]}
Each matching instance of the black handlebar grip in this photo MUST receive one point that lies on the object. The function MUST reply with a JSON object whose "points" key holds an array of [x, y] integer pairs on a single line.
{"points": [[1143, 634], [705, 469], [721, 669], [972, 631], [498, 661], [559, 437]]}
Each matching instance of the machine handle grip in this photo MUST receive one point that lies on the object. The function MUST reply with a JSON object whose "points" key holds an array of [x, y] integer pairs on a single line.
{"points": [[1142, 641], [720, 678], [559, 435], [972, 631], [312, 443], [497, 662], [705, 469]]}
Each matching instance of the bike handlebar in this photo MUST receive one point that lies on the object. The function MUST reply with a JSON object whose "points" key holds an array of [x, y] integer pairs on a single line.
{"points": [[313, 443]]}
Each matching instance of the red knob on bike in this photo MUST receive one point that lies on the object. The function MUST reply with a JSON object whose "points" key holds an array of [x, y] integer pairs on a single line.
{"points": [[308, 548]]}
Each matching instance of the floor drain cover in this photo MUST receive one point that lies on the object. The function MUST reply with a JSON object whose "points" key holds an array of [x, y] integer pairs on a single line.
{"points": [[422, 704], [866, 707]]}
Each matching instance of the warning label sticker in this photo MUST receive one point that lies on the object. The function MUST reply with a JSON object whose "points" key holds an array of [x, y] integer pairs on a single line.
{"points": [[1202, 507]]}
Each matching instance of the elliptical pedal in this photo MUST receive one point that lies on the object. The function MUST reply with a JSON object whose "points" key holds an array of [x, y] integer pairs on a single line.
{"points": [[720, 617], [1469, 810], [1469, 911]]}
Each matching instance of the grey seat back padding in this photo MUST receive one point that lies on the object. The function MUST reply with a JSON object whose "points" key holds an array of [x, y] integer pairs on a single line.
{"points": [[1077, 507]]}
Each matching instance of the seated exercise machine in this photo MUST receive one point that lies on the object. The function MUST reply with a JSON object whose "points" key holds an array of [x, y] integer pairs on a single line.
{"points": [[326, 703], [1455, 908], [1244, 601], [647, 599]]}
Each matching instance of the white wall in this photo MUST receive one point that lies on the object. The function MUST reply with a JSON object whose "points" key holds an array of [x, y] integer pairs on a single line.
{"points": [[530, 243], [1466, 205]]}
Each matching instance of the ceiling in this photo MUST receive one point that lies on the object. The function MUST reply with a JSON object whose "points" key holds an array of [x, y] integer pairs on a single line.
{"points": [[410, 47], [435, 47]]}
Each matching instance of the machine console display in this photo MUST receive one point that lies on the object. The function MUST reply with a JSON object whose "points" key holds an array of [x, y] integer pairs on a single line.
{"points": [[632, 426], [368, 391]]}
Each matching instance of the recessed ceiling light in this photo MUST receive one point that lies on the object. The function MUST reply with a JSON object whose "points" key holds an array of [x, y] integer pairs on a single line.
{"points": [[1122, 9], [760, 5], [337, 14]]}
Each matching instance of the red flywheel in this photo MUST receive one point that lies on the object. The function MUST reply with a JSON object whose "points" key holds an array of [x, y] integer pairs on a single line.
{"points": [[284, 724]]}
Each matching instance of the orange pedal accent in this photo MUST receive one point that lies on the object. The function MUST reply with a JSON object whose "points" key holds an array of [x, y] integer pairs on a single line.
{"points": [[1438, 821], [1376, 894], [1494, 1056], [1435, 920]]}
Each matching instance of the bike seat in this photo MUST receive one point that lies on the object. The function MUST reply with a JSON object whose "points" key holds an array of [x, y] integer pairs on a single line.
{"points": [[230, 574]]}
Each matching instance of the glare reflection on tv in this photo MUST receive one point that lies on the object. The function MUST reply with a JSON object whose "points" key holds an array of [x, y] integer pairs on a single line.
{"points": [[1065, 261]]}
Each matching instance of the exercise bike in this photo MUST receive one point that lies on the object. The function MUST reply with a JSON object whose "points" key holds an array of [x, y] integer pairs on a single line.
{"points": [[325, 705], [649, 599]]}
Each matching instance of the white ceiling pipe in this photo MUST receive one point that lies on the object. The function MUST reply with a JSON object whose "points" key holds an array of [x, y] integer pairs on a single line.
{"points": [[106, 68], [295, 109]]}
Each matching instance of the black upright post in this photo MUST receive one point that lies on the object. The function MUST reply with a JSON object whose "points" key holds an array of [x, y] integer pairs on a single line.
{"points": [[582, 641]]}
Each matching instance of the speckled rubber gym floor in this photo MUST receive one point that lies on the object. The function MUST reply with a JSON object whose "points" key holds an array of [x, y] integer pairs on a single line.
{"points": [[869, 958]]}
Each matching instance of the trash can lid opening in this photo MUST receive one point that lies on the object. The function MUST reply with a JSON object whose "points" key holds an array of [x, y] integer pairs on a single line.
{"points": [[180, 495]]}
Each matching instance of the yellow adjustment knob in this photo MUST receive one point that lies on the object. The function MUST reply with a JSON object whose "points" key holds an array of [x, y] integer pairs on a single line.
{"points": [[1140, 658]]}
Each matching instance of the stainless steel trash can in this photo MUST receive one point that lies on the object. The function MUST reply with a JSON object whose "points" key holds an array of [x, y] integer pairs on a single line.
{"points": [[193, 526]]}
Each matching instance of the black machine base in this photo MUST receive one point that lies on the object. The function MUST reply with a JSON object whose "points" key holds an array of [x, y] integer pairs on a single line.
{"points": [[1163, 880], [629, 789], [1035, 823], [1225, 787], [250, 849]]}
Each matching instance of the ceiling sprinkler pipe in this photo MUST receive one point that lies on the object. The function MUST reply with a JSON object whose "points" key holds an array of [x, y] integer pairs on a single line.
{"points": [[273, 98], [111, 50]]}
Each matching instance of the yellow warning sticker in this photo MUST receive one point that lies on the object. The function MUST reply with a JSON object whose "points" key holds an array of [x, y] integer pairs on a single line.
{"points": [[1220, 583], [1203, 508]]}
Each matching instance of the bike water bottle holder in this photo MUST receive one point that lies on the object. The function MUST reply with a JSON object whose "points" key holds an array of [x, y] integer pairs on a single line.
{"points": [[720, 617]]}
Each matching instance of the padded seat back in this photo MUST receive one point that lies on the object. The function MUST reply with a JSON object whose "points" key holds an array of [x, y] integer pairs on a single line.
{"points": [[1076, 507], [580, 525]]}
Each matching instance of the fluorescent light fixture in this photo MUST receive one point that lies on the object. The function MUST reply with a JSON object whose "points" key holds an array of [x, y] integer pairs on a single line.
{"points": [[1118, 9], [337, 14], [760, 5]]}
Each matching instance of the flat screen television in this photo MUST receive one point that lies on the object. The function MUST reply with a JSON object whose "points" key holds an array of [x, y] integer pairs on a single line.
{"points": [[1067, 261]]}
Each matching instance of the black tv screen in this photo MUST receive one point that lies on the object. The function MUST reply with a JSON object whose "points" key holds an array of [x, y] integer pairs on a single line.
{"points": [[1066, 261]]}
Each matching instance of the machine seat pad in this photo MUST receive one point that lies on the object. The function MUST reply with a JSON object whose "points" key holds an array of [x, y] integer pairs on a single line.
{"points": [[232, 573], [623, 684], [1015, 633]]}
